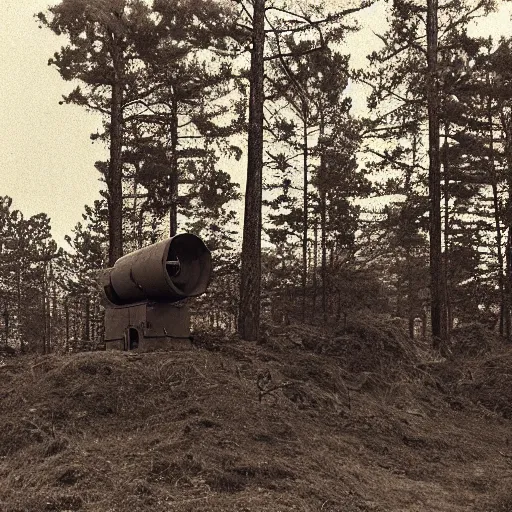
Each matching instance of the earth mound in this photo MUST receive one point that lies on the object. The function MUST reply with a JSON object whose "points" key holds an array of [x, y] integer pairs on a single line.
{"points": [[470, 340], [365, 344], [235, 426]]}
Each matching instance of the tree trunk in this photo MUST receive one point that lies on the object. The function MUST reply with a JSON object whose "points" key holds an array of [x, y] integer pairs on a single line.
{"points": [[446, 312], [18, 305], [75, 324], [412, 294], [55, 317], [398, 310], [323, 247], [507, 288], [66, 314], [305, 213], [436, 274], [134, 219], [323, 224], [115, 169], [315, 266], [87, 318], [140, 228], [173, 211], [497, 212], [250, 277], [44, 326]]}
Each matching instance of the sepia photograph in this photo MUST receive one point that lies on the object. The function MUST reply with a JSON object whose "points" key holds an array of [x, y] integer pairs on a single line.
{"points": [[256, 256]]}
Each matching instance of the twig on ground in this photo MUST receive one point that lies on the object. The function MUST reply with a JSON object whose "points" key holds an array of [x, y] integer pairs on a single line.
{"points": [[413, 412], [268, 391], [199, 372]]}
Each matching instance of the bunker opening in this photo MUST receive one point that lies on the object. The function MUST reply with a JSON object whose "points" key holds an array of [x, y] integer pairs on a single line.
{"points": [[133, 338]]}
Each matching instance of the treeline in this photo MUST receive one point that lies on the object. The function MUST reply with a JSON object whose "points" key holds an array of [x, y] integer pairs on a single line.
{"points": [[432, 78], [405, 211]]}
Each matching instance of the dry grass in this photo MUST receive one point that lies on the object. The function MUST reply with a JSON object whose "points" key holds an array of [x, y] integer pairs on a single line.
{"points": [[232, 426], [474, 340]]}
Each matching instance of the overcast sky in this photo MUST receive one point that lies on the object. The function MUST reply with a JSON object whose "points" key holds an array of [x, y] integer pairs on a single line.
{"points": [[46, 156]]}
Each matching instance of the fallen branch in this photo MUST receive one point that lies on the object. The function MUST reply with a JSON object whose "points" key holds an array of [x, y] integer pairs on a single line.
{"points": [[267, 391]]}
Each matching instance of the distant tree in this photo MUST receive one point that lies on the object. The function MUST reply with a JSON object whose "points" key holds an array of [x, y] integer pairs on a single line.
{"points": [[7, 283], [101, 54], [183, 110], [79, 272], [27, 280], [304, 80], [280, 20], [409, 81], [153, 72]]}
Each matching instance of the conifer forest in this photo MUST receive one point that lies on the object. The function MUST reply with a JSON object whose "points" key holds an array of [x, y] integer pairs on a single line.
{"points": [[291, 290], [400, 209]]}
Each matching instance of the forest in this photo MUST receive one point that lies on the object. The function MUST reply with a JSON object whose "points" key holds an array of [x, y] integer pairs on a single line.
{"points": [[352, 352], [404, 211]]}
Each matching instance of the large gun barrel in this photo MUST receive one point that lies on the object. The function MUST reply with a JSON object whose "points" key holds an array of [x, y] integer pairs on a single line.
{"points": [[167, 271]]}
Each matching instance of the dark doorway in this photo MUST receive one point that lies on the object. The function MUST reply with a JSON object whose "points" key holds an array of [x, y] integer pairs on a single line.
{"points": [[133, 338]]}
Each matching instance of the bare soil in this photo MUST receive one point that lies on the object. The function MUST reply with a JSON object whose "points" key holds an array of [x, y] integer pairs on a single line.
{"points": [[359, 420]]}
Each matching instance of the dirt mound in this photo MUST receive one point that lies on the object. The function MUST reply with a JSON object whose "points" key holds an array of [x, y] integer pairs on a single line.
{"points": [[473, 339], [484, 381], [237, 426], [366, 344], [488, 381], [376, 344]]}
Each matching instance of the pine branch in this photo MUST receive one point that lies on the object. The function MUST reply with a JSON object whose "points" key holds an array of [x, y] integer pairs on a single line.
{"points": [[466, 18], [282, 55], [389, 91], [244, 9], [328, 19], [304, 95], [398, 163], [397, 51], [143, 103]]}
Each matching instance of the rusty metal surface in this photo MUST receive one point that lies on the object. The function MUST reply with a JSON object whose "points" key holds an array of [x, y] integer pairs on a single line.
{"points": [[167, 271], [166, 319], [142, 291], [116, 321]]}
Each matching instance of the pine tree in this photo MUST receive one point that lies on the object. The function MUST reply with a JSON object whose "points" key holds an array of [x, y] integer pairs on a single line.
{"points": [[26, 278], [410, 65], [78, 275], [101, 55], [280, 20], [183, 110]]}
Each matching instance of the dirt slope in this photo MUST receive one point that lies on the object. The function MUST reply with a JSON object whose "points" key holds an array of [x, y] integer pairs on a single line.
{"points": [[232, 426]]}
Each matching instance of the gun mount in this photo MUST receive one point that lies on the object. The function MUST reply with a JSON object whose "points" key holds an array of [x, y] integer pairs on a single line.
{"points": [[143, 290]]}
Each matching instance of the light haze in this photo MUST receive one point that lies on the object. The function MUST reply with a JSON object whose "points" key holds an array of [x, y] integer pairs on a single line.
{"points": [[47, 157]]}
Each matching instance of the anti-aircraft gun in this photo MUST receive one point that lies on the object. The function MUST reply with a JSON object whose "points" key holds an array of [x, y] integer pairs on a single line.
{"points": [[143, 290]]}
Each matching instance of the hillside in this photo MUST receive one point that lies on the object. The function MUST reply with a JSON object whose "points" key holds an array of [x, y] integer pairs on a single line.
{"points": [[354, 421]]}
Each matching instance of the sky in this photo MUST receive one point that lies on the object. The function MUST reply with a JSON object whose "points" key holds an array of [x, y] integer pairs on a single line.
{"points": [[46, 155]]}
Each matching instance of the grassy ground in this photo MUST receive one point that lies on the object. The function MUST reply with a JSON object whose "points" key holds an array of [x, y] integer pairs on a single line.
{"points": [[310, 421]]}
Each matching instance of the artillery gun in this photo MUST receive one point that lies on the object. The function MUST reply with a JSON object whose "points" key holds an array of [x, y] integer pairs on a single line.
{"points": [[142, 294]]}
